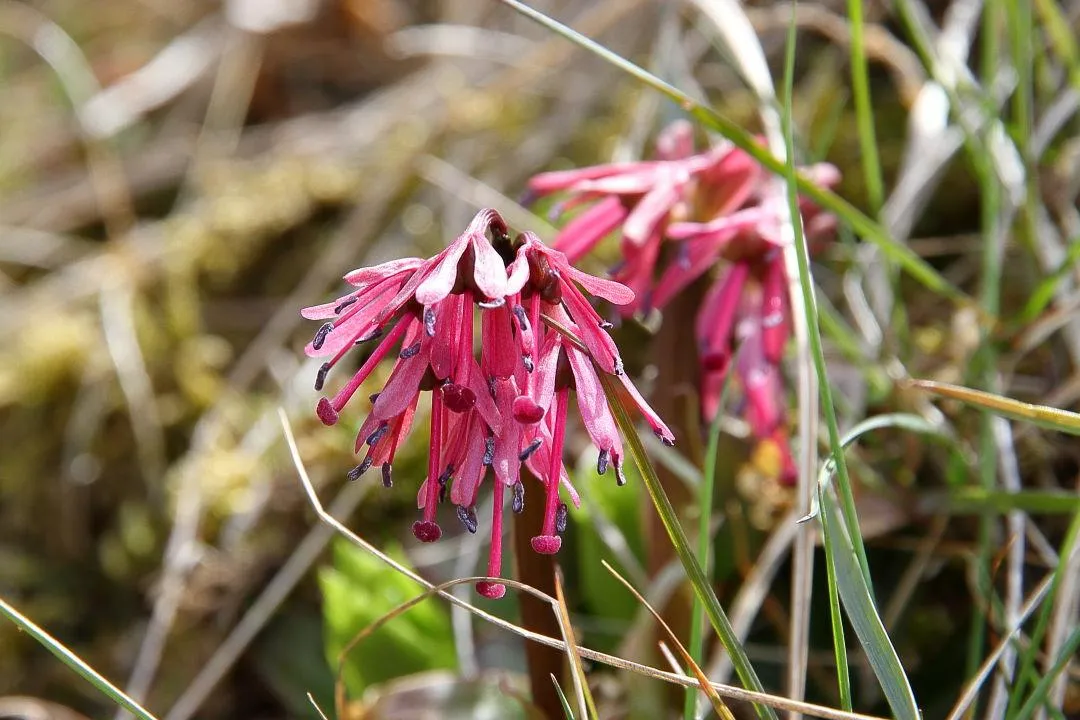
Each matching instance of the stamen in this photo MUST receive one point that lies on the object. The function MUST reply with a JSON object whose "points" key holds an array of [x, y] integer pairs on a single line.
{"points": [[410, 351], [491, 304], [561, 517], [344, 304], [518, 502], [429, 321], [378, 433], [360, 469], [602, 462], [528, 362], [320, 377], [522, 318], [605, 325], [620, 478], [663, 438], [529, 450], [489, 451], [467, 516], [373, 397], [618, 366], [387, 478], [320, 335], [373, 335]]}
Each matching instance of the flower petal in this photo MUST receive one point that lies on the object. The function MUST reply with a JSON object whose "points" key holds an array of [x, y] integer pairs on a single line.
{"points": [[377, 273], [489, 273], [443, 277]]}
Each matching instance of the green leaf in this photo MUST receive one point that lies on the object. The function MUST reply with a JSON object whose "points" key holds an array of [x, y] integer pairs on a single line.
{"points": [[358, 590], [863, 615]]}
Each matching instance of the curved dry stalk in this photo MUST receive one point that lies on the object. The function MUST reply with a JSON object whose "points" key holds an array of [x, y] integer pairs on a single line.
{"points": [[726, 691], [703, 681]]}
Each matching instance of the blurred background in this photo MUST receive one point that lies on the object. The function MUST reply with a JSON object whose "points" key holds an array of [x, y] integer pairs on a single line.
{"points": [[178, 179]]}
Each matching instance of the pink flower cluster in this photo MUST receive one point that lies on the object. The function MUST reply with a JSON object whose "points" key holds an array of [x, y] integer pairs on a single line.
{"points": [[680, 216], [494, 411]]}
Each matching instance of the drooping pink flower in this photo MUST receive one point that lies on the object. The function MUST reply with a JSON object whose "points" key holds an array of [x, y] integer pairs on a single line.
{"points": [[680, 216], [498, 411]]}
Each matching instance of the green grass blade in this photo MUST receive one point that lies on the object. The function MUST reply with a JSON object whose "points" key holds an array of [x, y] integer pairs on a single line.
{"points": [[74, 662], [863, 615], [698, 580], [859, 221], [1038, 695], [864, 110], [705, 500], [562, 699], [843, 672], [976, 499]]}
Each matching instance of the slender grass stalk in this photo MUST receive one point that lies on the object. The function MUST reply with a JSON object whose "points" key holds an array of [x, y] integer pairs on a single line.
{"points": [[705, 504], [986, 357], [698, 580], [814, 331], [1025, 673], [806, 282], [74, 662], [872, 231], [864, 110], [843, 672], [1041, 690]]}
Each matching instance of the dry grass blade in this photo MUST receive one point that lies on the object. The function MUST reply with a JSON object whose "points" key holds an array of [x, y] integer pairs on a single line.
{"points": [[586, 704], [706, 687], [1041, 415]]}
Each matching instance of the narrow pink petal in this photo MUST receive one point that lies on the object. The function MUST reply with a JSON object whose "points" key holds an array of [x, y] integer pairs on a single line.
{"points": [[489, 273], [403, 386], [377, 273], [541, 381], [518, 272], [763, 399], [716, 319], [614, 292], [722, 226], [593, 405], [712, 384], [550, 182], [506, 463], [658, 427], [469, 473], [441, 281], [498, 347], [485, 405], [581, 234], [651, 210], [774, 328], [676, 141], [731, 181], [637, 181], [449, 314], [587, 321]]}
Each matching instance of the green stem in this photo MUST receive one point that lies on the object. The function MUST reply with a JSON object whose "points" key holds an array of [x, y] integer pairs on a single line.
{"points": [[74, 662], [864, 112]]}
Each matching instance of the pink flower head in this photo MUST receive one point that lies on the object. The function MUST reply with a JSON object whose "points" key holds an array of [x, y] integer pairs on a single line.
{"points": [[680, 216], [506, 408]]}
